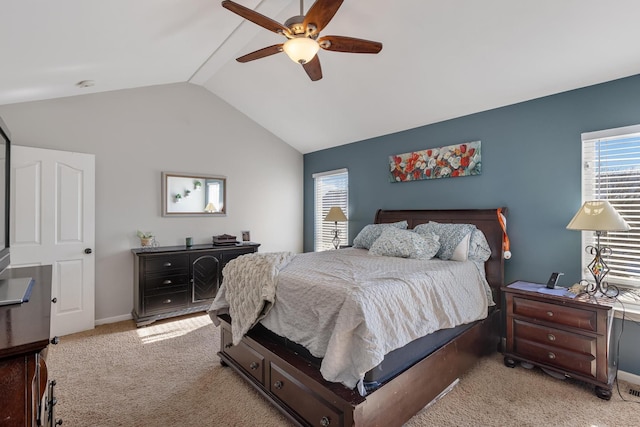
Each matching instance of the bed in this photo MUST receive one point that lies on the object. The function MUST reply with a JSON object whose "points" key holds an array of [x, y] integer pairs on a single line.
{"points": [[289, 376]]}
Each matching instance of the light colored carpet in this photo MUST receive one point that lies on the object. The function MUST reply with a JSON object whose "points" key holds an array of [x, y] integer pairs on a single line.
{"points": [[168, 374]]}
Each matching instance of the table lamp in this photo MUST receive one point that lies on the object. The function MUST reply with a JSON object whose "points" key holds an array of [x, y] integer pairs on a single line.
{"points": [[599, 216], [336, 215]]}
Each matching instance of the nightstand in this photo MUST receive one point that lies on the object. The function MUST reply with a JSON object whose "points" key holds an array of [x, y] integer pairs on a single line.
{"points": [[569, 336]]}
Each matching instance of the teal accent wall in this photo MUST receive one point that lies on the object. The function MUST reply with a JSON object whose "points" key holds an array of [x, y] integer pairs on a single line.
{"points": [[531, 156]]}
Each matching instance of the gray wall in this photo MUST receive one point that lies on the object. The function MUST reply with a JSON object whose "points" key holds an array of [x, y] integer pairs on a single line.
{"points": [[531, 155], [135, 135]]}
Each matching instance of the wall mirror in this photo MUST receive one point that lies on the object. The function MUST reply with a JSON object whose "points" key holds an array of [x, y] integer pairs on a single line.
{"points": [[193, 194]]}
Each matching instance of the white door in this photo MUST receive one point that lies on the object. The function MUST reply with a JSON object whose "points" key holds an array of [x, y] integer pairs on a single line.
{"points": [[53, 222]]}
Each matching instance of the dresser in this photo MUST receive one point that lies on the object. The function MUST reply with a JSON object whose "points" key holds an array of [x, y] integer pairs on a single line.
{"points": [[26, 394], [175, 280], [566, 336]]}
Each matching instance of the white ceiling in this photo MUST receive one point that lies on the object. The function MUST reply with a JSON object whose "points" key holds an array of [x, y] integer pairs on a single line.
{"points": [[440, 60]]}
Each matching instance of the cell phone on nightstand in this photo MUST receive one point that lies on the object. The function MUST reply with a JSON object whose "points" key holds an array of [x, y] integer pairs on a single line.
{"points": [[553, 280]]}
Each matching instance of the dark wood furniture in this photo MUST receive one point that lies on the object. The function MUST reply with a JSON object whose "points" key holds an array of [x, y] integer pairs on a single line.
{"points": [[564, 335], [26, 395], [296, 387], [175, 280]]}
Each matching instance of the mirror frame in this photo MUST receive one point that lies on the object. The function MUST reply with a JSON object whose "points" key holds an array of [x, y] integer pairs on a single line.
{"points": [[168, 200]]}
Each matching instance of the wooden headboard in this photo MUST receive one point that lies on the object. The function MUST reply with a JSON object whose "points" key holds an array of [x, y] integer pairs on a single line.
{"points": [[485, 219]]}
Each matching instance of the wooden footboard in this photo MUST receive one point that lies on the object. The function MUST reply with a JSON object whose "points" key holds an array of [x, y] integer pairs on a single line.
{"points": [[297, 388]]}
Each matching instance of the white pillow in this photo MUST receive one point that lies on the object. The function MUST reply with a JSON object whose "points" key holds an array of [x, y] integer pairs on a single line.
{"points": [[460, 253]]}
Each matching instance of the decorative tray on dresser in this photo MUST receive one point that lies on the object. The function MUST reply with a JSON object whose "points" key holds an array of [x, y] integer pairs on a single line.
{"points": [[570, 336]]}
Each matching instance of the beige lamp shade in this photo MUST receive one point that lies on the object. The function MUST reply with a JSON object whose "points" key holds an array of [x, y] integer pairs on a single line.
{"points": [[336, 215], [598, 215], [209, 207]]}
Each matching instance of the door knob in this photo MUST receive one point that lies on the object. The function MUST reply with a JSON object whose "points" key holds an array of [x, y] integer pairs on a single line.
{"points": [[88, 251]]}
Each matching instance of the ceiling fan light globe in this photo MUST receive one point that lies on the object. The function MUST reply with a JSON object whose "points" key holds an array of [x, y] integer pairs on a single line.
{"points": [[301, 49]]}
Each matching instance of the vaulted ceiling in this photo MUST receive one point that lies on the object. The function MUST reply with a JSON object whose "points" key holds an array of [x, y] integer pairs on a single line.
{"points": [[440, 60]]}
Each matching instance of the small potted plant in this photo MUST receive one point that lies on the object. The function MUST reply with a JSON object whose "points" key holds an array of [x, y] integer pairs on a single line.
{"points": [[187, 193], [178, 198], [146, 238], [197, 185]]}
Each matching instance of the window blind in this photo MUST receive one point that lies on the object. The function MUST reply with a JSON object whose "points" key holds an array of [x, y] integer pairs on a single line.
{"points": [[611, 171], [331, 189]]}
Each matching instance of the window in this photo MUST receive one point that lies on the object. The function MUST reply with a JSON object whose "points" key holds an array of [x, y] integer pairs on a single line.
{"points": [[611, 171], [331, 189]]}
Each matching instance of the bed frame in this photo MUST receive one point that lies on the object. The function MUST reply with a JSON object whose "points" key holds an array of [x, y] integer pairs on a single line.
{"points": [[296, 387]]}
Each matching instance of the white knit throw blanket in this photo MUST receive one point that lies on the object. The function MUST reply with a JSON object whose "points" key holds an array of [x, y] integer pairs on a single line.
{"points": [[249, 289]]}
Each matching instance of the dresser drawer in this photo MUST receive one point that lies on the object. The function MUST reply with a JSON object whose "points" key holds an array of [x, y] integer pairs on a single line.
{"points": [[166, 282], [166, 302], [570, 361], [554, 337], [245, 356], [315, 410], [558, 314], [167, 264]]}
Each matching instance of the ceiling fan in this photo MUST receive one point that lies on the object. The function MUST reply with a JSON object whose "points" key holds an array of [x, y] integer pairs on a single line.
{"points": [[302, 33]]}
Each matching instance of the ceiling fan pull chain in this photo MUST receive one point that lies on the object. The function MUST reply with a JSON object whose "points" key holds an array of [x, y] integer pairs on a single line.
{"points": [[301, 8]]}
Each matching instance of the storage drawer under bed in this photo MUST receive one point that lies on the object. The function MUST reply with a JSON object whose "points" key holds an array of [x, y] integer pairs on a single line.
{"points": [[245, 356]]}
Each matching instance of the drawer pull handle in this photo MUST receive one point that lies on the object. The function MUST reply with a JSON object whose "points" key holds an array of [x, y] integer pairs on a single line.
{"points": [[253, 366], [550, 313], [167, 264], [551, 337], [167, 282], [325, 421], [167, 301], [278, 384], [228, 345], [552, 356]]}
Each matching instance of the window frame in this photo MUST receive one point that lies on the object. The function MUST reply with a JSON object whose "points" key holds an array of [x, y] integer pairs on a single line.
{"points": [[592, 189], [323, 231]]}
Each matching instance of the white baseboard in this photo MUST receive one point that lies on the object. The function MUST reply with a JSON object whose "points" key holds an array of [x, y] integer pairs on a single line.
{"points": [[113, 319], [629, 377]]}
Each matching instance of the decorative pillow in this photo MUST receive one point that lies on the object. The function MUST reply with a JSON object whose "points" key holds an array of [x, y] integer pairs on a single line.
{"points": [[405, 244], [479, 249], [371, 232], [450, 236]]}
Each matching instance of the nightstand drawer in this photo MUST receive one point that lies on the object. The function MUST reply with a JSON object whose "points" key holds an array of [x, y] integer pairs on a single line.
{"points": [[558, 314], [571, 361], [555, 338]]}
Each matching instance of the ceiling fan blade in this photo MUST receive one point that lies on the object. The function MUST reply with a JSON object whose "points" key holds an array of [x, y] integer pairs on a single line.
{"points": [[255, 17], [261, 53], [321, 13], [349, 44], [313, 69]]}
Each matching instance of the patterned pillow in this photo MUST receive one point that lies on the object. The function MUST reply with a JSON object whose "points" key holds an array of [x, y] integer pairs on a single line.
{"points": [[479, 249], [371, 232], [450, 236], [405, 244]]}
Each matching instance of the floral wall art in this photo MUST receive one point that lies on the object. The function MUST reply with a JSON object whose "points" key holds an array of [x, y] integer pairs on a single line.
{"points": [[443, 162]]}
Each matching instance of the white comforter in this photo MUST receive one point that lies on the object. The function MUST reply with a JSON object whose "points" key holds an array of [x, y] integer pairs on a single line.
{"points": [[351, 308]]}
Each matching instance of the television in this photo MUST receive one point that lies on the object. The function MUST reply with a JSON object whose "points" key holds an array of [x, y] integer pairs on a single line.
{"points": [[5, 187]]}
